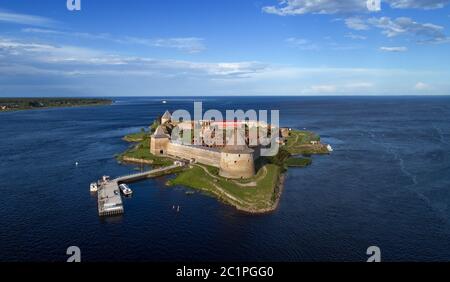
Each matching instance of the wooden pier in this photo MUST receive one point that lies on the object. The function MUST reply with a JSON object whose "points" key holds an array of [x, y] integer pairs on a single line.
{"points": [[109, 198]]}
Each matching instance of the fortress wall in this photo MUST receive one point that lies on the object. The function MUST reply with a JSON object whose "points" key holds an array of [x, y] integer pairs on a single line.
{"points": [[203, 156]]}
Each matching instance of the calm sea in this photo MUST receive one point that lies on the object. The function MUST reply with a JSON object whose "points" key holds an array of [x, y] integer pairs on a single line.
{"points": [[387, 184]]}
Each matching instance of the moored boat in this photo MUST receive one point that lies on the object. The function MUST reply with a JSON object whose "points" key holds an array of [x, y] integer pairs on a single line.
{"points": [[125, 189], [93, 187]]}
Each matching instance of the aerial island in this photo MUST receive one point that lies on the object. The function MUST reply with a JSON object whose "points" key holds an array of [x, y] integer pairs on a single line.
{"points": [[17, 104], [235, 173]]}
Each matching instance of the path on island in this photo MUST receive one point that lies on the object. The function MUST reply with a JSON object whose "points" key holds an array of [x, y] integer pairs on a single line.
{"points": [[222, 191], [254, 183]]}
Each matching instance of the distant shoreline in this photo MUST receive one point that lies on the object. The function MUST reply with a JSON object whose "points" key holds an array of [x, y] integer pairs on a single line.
{"points": [[25, 104]]}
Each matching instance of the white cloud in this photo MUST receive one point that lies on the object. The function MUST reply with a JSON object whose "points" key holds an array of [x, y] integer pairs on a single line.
{"points": [[420, 86], [301, 43], [300, 7], [49, 66], [418, 4], [187, 44], [355, 36], [358, 86], [24, 19], [349, 87], [84, 35], [326, 88], [184, 44], [356, 23], [426, 32], [394, 49], [75, 60]]}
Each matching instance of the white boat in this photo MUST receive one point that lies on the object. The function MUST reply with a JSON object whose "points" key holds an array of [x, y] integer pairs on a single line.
{"points": [[94, 187], [125, 189], [164, 102], [330, 149]]}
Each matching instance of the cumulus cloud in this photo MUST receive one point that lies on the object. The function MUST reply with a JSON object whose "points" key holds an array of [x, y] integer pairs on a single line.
{"points": [[300, 7], [394, 49]]}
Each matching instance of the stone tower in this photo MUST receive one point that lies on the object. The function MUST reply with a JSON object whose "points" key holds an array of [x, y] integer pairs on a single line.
{"points": [[236, 159], [166, 117], [158, 142]]}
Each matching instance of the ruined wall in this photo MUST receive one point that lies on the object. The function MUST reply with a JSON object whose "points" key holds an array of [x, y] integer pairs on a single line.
{"points": [[237, 165], [201, 155]]}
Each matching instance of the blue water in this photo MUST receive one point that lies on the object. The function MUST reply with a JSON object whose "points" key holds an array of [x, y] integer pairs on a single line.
{"points": [[387, 184]]}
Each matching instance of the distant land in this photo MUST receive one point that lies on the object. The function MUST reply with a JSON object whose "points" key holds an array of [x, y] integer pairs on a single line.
{"points": [[18, 104]]}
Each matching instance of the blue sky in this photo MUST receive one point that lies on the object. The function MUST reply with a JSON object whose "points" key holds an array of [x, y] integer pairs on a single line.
{"points": [[224, 47]]}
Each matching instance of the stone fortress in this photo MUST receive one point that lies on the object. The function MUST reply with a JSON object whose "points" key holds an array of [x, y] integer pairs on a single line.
{"points": [[233, 157]]}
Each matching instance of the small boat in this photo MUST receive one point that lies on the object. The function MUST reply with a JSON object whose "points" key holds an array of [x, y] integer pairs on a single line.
{"points": [[94, 187], [125, 189], [164, 102], [330, 149], [189, 193]]}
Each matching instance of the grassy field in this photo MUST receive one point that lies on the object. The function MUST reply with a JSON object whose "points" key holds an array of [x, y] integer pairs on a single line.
{"points": [[250, 198], [298, 162], [299, 143], [136, 137], [141, 150]]}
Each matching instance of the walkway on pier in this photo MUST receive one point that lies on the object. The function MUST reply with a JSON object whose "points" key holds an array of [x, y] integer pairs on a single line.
{"points": [[109, 198]]}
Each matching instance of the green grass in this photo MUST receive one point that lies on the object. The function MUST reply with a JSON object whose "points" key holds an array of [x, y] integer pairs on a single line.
{"points": [[142, 151], [298, 162], [299, 137], [154, 125], [299, 143], [136, 137], [260, 197]]}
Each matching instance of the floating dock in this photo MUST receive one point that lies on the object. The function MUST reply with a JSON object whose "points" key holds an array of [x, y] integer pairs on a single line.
{"points": [[109, 198]]}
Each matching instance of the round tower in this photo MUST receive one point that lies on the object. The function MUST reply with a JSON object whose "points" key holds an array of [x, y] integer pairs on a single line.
{"points": [[236, 160], [237, 163]]}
